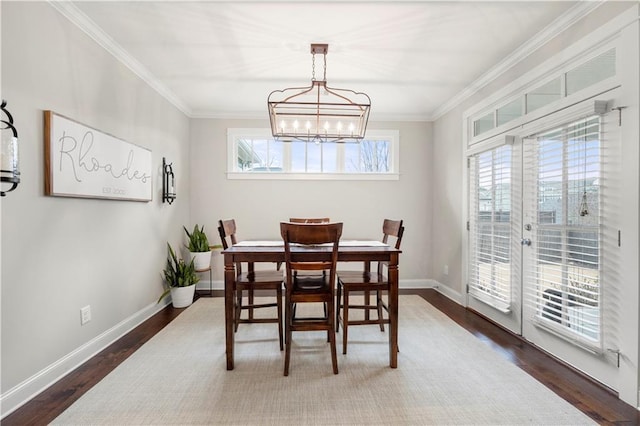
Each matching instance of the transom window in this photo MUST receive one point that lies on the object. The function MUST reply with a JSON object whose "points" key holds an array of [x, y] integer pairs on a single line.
{"points": [[255, 154], [575, 79]]}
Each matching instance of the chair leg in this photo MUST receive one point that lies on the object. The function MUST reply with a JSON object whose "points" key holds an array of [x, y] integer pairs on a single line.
{"points": [[238, 308], [279, 302], [379, 303], [338, 305], [366, 303], [345, 320], [332, 341], [250, 291], [326, 316], [287, 328]]}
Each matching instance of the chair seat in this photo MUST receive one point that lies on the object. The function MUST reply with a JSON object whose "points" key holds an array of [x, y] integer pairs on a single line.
{"points": [[362, 280], [311, 284], [268, 279]]}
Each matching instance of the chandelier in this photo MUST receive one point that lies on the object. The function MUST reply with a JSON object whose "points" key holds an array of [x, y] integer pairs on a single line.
{"points": [[318, 113]]}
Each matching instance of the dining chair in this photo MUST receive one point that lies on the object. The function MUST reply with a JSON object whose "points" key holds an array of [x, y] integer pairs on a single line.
{"points": [[252, 280], [315, 283], [366, 281], [309, 220]]}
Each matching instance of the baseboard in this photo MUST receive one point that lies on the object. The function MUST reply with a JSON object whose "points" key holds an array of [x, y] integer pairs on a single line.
{"points": [[448, 292], [419, 283], [17, 396]]}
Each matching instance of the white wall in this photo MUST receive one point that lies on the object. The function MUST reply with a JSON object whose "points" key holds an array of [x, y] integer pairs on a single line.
{"points": [[60, 254], [258, 206]]}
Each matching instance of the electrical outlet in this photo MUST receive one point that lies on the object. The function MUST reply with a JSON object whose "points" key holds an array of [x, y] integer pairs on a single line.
{"points": [[85, 315], [445, 269]]}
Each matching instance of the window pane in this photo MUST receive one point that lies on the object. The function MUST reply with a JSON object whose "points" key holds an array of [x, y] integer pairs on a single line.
{"points": [[260, 155], [314, 159], [509, 112], [368, 157], [568, 231], [329, 157], [352, 158], [597, 69], [298, 157], [544, 95], [374, 156], [483, 124], [490, 267], [275, 156]]}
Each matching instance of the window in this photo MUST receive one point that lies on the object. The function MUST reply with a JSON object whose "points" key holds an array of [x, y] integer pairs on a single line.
{"points": [[509, 112], [567, 162], [255, 154], [576, 78], [483, 124], [544, 95], [591, 72], [490, 226]]}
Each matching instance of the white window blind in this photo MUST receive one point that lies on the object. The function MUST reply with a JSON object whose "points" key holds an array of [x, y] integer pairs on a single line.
{"points": [[490, 227], [564, 286]]}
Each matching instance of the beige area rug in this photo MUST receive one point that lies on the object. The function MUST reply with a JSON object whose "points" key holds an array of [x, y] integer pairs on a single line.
{"points": [[445, 376]]}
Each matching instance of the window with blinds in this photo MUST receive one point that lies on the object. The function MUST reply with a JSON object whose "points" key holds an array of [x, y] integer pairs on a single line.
{"points": [[565, 288], [490, 227]]}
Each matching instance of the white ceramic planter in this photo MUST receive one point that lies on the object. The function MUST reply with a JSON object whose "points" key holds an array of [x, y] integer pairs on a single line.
{"points": [[201, 260], [181, 297]]}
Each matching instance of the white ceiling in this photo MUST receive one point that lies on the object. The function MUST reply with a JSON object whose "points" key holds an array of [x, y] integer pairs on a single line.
{"points": [[415, 59]]}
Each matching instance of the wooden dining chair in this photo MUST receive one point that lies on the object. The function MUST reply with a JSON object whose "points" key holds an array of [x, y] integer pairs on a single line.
{"points": [[250, 281], [366, 281], [314, 284]]}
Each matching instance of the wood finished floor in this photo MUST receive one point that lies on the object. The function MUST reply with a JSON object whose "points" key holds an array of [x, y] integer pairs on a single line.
{"points": [[591, 398]]}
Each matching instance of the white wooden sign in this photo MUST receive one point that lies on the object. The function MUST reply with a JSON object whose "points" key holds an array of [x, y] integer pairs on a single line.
{"points": [[84, 162]]}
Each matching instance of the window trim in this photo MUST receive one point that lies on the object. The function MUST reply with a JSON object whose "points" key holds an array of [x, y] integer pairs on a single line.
{"points": [[265, 133]]}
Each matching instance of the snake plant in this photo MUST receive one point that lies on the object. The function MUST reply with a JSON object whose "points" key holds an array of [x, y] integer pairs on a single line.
{"points": [[197, 239], [178, 273]]}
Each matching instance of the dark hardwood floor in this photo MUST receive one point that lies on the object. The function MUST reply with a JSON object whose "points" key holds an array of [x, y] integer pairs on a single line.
{"points": [[594, 400]]}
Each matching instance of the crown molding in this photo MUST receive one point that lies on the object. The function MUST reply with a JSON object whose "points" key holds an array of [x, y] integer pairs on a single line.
{"points": [[558, 26], [89, 27]]}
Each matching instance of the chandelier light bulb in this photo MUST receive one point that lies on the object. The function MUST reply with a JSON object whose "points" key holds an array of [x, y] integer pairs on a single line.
{"points": [[295, 124]]}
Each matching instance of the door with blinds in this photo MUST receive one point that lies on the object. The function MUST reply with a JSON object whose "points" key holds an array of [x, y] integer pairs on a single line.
{"points": [[494, 226], [543, 239], [570, 234]]}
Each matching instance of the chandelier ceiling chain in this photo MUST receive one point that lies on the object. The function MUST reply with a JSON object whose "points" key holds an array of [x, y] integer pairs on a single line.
{"points": [[318, 113]]}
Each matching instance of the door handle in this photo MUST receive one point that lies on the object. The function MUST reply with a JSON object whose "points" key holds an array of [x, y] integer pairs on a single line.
{"points": [[525, 242]]}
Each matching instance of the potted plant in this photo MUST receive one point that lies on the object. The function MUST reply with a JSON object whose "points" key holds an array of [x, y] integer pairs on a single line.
{"points": [[180, 278], [199, 247]]}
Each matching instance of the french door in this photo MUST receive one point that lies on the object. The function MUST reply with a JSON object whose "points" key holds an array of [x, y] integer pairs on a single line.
{"points": [[543, 239]]}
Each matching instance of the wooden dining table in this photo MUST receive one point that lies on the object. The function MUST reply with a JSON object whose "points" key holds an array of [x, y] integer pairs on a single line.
{"points": [[273, 251]]}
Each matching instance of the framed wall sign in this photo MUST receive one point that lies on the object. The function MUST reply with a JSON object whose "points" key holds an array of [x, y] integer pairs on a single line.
{"points": [[84, 162]]}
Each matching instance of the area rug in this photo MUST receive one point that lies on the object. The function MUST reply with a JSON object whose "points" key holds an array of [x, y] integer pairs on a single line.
{"points": [[445, 376]]}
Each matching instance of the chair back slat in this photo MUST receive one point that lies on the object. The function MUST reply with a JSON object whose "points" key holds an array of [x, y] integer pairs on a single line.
{"points": [[227, 231], [391, 228], [309, 220]]}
